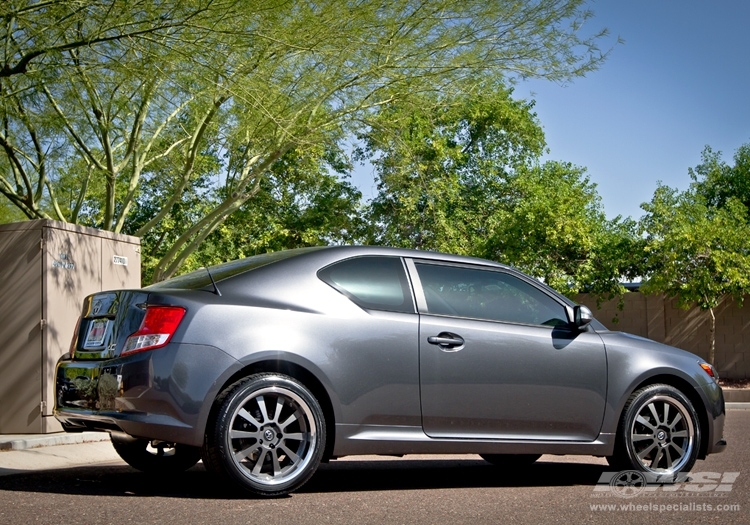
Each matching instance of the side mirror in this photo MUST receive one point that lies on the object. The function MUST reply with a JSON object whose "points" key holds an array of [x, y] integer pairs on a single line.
{"points": [[582, 316]]}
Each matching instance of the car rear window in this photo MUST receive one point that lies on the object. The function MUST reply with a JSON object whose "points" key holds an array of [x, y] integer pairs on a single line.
{"points": [[377, 283], [200, 279]]}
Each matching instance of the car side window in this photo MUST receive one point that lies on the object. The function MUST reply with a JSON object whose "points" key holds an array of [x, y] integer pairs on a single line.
{"points": [[377, 283], [486, 294]]}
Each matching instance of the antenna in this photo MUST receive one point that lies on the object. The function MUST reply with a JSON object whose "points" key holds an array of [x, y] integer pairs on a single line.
{"points": [[216, 288]]}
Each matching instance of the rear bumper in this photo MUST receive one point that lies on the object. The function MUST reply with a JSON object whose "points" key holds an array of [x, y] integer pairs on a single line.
{"points": [[161, 394]]}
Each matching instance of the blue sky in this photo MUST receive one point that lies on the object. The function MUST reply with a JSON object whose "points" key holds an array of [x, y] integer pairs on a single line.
{"points": [[679, 82]]}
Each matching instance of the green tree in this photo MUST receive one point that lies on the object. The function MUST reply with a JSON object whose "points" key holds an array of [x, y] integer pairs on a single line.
{"points": [[554, 228], [466, 179], [697, 253], [9, 213], [36, 34], [443, 165], [304, 201], [717, 182], [236, 87]]}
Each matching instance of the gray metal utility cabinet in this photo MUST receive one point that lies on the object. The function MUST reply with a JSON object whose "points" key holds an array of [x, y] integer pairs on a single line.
{"points": [[46, 269]]}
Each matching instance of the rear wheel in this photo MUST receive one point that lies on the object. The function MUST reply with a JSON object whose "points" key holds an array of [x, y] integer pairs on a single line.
{"points": [[268, 435], [511, 460], [659, 432], [156, 457]]}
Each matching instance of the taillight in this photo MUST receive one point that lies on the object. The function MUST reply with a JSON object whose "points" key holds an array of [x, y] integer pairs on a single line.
{"points": [[710, 370], [157, 328], [73, 341]]}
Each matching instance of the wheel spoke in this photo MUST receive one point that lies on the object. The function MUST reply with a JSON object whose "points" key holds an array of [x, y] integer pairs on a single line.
{"points": [[677, 419], [669, 457], [298, 436], [678, 449], [241, 434], [279, 406], [276, 466], [643, 453], [680, 434], [642, 437], [645, 423], [657, 458], [652, 408], [259, 463], [666, 414], [291, 419], [262, 405], [244, 414], [294, 457], [245, 452]]}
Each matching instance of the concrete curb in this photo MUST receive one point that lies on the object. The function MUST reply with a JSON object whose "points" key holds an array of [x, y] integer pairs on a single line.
{"points": [[24, 442]]}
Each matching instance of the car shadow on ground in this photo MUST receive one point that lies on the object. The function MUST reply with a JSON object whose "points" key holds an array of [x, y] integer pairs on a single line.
{"points": [[336, 476]]}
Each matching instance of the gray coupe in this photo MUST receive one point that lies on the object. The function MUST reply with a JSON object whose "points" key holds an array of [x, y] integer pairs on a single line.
{"points": [[266, 366]]}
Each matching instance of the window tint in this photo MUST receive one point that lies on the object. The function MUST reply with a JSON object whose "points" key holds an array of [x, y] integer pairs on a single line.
{"points": [[485, 294], [371, 282]]}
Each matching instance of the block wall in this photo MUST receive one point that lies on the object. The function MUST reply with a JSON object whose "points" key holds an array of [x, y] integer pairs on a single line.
{"points": [[660, 319]]}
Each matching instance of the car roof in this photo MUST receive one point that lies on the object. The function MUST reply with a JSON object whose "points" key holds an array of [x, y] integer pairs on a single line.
{"points": [[314, 257], [347, 251]]}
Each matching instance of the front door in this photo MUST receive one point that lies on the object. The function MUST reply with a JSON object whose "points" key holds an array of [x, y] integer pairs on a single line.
{"points": [[499, 360]]}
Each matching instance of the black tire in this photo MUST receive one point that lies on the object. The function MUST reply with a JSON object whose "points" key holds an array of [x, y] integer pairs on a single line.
{"points": [[156, 457], [268, 435], [511, 460], [659, 432]]}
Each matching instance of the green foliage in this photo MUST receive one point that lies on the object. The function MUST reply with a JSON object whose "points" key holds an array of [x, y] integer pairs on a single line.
{"points": [[554, 228], [9, 213], [697, 242], [462, 176], [302, 202], [695, 252], [718, 182], [100, 99], [36, 34], [442, 166]]}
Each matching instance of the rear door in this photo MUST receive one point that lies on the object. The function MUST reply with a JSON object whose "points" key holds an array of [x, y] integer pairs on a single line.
{"points": [[499, 359]]}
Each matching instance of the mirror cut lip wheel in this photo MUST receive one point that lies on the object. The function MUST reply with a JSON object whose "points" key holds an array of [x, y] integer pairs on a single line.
{"points": [[662, 435], [272, 436]]}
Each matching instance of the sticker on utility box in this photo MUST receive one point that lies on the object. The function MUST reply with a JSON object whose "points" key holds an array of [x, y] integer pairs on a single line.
{"points": [[119, 259]]}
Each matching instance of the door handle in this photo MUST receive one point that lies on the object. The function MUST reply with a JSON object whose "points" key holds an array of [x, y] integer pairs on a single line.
{"points": [[446, 340]]}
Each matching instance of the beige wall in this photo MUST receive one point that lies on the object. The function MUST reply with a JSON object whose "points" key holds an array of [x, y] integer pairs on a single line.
{"points": [[46, 269], [662, 320]]}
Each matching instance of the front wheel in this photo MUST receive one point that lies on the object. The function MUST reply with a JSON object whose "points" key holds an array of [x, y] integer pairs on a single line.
{"points": [[268, 435], [156, 457], [659, 432]]}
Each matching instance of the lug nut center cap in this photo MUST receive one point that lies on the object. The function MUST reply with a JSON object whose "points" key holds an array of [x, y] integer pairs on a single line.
{"points": [[269, 435], [661, 435]]}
